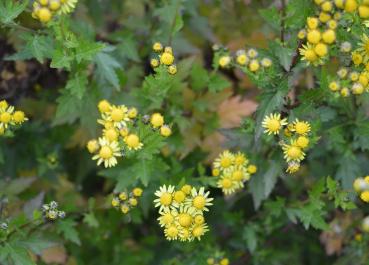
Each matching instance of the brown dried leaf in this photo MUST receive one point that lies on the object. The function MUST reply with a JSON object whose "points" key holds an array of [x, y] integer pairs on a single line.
{"points": [[55, 254]]}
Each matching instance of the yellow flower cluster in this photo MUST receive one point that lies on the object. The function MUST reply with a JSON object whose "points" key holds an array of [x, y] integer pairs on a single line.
{"points": [[126, 201], [347, 83], [360, 56], [9, 117], [163, 56], [44, 10], [217, 261], [120, 133], [50, 211], [297, 135], [182, 212], [232, 171], [320, 33], [361, 186], [249, 59]]}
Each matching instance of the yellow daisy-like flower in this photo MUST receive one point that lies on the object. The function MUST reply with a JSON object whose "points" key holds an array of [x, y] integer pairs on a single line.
{"points": [[227, 185], [199, 200], [108, 153], [6, 116], [224, 61], [199, 230], [171, 232], [165, 195], [166, 218], [118, 116], [273, 123], [360, 185], [19, 117], [133, 142], [225, 160], [67, 6], [185, 234], [301, 127], [292, 152], [240, 159], [309, 55], [293, 167], [363, 49]]}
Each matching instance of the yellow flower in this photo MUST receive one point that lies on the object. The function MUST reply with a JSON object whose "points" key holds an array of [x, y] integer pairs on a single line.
{"points": [[254, 65], [252, 169], [312, 22], [115, 202], [354, 76], [154, 62], [334, 86], [241, 58], [350, 6], [166, 218], [199, 200], [133, 202], [93, 146], [309, 55], [363, 79], [111, 134], [224, 261], [167, 58], [252, 53], [314, 36], [165, 131], [215, 172], [293, 167], [44, 14], [67, 6], [364, 11], [273, 123], [3, 105], [365, 196], [327, 6], [357, 58], [225, 160], [240, 159], [301, 127], [324, 17], [345, 92], [227, 185], [123, 196], [321, 49], [137, 192], [54, 5], [165, 197], [360, 185], [157, 120], [179, 196], [340, 3], [332, 24], [346, 47], [132, 113], [108, 153], [186, 189], [199, 230], [224, 61], [329, 36], [363, 49], [292, 152], [266, 62], [124, 208], [133, 142], [342, 72], [6, 117], [172, 69], [157, 47], [302, 34], [302, 142], [365, 224], [19, 117], [168, 49], [210, 261], [171, 232]]}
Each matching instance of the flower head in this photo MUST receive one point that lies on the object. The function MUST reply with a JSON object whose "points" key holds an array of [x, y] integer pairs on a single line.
{"points": [[108, 153], [273, 123]]}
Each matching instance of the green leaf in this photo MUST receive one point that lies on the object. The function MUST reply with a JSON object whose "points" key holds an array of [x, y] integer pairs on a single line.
{"points": [[17, 186], [60, 59], [67, 110], [66, 228], [77, 85], [250, 236], [18, 255], [10, 9], [36, 244], [105, 70], [272, 17], [348, 170], [270, 101], [262, 186], [218, 83], [199, 77], [90, 220], [86, 50]]}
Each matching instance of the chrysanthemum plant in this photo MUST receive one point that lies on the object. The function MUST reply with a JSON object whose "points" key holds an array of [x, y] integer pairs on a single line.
{"points": [[161, 106]]}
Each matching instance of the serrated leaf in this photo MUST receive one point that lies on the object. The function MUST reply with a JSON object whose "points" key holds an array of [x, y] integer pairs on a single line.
{"points": [[60, 59], [86, 50], [66, 228], [77, 85], [218, 83], [250, 236], [106, 66], [18, 255], [10, 9]]}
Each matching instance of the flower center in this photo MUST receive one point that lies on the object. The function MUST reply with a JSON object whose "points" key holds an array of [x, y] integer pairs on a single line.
{"points": [[294, 152], [226, 183], [198, 231], [133, 140], [167, 219], [166, 199], [199, 219], [185, 219], [106, 152], [179, 196], [237, 175], [274, 125], [5, 117], [199, 202], [172, 231], [225, 162], [117, 115]]}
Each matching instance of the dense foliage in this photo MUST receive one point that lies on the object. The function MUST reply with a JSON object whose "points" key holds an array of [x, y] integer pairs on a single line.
{"points": [[184, 132]]}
